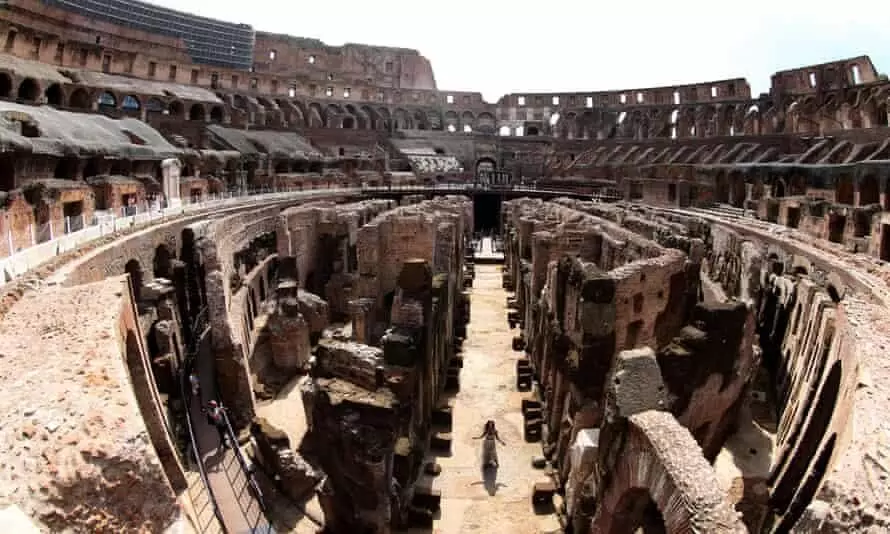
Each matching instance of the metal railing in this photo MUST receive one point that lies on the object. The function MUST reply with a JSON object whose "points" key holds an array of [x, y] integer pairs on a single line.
{"points": [[44, 242], [186, 392], [244, 485], [236, 468]]}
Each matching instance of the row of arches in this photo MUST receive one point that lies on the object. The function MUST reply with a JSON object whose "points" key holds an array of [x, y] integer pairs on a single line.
{"points": [[854, 109], [29, 90]]}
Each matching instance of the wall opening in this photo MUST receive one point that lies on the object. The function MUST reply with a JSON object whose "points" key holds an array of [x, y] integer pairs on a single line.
{"points": [[487, 213], [793, 217], [637, 513], [836, 225], [869, 191], [862, 224], [843, 190], [885, 242], [797, 460]]}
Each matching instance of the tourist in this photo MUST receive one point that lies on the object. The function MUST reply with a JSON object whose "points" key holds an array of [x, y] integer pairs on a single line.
{"points": [[216, 417], [195, 383], [489, 447]]}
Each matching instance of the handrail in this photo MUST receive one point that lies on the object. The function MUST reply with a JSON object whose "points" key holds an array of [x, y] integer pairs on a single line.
{"points": [[185, 391], [251, 479], [18, 262]]}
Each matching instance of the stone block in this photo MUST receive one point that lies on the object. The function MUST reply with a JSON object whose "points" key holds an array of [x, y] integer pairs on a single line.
{"points": [[528, 404], [441, 441], [542, 492], [524, 382], [532, 430], [539, 462], [430, 499], [420, 518], [432, 469], [442, 417], [533, 413], [399, 348]]}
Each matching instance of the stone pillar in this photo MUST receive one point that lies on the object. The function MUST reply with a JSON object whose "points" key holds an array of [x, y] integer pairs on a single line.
{"points": [[171, 169]]}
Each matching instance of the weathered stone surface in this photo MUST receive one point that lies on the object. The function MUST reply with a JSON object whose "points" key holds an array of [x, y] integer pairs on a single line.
{"points": [[294, 476]]}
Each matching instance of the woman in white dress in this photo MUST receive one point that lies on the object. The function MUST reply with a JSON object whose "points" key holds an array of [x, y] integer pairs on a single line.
{"points": [[489, 447]]}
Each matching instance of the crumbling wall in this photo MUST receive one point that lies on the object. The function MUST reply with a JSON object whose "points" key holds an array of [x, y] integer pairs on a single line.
{"points": [[382, 388]]}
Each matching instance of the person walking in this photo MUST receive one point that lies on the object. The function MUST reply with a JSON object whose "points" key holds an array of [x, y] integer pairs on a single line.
{"points": [[489, 447], [195, 383], [217, 418]]}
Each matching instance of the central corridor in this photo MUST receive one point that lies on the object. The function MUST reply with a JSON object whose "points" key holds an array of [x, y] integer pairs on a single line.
{"points": [[501, 504]]}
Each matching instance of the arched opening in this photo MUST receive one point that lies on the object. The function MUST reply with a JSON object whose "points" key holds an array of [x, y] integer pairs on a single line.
{"points": [[504, 131], [154, 106], [843, 190], [5, 85], [7, 173], [869, 190], [28, 91], [635, 513], [66, 168], [797, 460], [779, 189], [106, 101], [836, 225], [54, 95], [91, 168], [80, 99], [134, 269], [532, 130], [216, 114], [808, 490], [163, 262], [131, 104], [196, 112], [348, 123], [176, 109]]}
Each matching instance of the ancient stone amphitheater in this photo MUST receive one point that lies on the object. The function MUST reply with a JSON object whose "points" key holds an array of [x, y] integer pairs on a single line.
{"points": [[670, 300]]}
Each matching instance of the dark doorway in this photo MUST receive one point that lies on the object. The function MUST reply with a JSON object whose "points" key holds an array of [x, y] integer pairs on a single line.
{"points": [[793, 217], [7, 174], [885, 242], [487, 213], [836, 225]]}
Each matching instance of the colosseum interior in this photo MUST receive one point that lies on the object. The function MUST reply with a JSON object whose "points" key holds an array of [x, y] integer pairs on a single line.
{"points": [[668, 300]]}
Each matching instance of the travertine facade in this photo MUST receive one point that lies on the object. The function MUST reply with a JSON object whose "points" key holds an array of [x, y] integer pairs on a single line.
{"points": [[706, 355]]}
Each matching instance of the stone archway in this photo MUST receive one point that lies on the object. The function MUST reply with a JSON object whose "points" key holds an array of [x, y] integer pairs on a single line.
{"points": [[54, 95], [80, 99], [657, 459], [5, 85], [29, 90], [197, 112]]}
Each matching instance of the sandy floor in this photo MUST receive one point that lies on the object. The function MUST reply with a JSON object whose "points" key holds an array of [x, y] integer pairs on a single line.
{"points": [[500, 504]]}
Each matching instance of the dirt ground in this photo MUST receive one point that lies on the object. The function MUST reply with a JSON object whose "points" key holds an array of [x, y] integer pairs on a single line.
{"points": [[501, 503]]}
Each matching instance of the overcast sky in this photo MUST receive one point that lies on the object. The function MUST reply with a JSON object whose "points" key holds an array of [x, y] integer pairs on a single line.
{"points": [[500, 47]]}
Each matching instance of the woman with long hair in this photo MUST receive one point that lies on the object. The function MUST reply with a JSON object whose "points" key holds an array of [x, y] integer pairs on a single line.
{"points": [[489, 447]]}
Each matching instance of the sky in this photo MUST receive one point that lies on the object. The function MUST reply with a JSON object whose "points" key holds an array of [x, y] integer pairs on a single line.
{"points": [[583, 45]]}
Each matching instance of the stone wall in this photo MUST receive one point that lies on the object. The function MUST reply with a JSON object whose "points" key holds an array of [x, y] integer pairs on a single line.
{"points": [[593, 282], [817, 318], [87, 438], [374, 387]]}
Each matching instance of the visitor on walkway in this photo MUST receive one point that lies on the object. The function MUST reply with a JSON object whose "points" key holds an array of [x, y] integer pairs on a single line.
{"points": [[216, 417], [489, 447], [195, 383]]}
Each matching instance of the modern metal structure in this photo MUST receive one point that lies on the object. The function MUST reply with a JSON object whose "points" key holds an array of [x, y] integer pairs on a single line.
{"points": [[208, 41]]}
